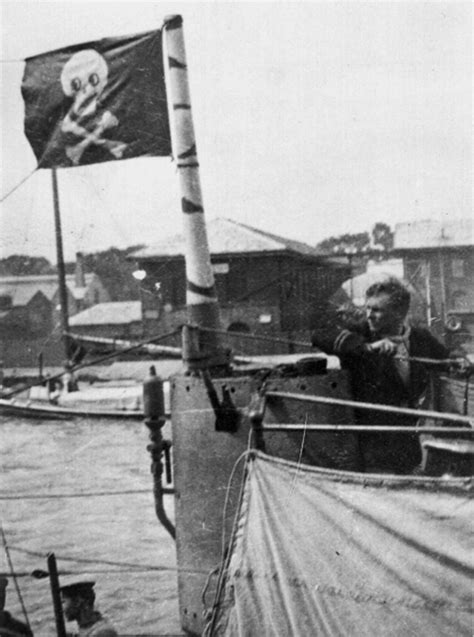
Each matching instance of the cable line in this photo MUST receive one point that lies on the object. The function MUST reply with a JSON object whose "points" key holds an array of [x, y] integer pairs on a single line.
{"points": [[90, 494], [20, 183], [128, 566], [13, 575]]}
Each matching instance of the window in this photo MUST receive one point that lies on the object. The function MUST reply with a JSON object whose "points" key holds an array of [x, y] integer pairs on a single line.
{"points": [[239, 326], [457, 268]]}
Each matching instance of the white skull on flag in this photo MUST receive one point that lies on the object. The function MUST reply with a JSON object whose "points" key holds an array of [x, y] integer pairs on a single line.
{"points": [[84, 78]]}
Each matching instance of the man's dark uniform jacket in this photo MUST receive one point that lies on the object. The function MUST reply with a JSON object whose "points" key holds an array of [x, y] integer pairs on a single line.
{"points": [[375, 378]]}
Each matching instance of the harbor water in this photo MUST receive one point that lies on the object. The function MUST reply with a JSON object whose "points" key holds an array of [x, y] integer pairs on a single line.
{"points": [[83, 490]]}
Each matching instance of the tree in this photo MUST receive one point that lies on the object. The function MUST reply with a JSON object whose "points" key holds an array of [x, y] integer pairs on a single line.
{"points": [[346, 243], [24, 265], [380, 239], [382, 236], [115, 272]]}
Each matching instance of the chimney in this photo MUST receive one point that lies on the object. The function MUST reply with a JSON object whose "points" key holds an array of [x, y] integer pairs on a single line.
{"points": [[79, 276]]}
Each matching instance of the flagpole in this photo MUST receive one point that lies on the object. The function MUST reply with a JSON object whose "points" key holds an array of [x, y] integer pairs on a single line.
{"points": [[61, 267], [201, 297]]}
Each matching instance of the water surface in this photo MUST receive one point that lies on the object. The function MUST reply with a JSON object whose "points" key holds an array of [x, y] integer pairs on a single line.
{"points": [[114, 538]]}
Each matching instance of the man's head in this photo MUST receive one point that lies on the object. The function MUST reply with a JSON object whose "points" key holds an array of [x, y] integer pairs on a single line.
{"points": [[387, 304], [77, 598]]}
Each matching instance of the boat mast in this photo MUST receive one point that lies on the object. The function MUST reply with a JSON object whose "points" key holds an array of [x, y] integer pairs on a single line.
{"points": [[61, 268], [201, 297]]}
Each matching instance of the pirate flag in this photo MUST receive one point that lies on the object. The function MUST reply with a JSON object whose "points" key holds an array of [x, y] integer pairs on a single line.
{"points": [[98, 101]]}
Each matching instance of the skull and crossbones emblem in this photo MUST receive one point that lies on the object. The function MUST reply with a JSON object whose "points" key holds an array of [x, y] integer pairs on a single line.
{"points": [[84, 78]]}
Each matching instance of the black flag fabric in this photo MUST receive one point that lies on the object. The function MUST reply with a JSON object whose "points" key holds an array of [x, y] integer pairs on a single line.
{"points": [[99, 101]]}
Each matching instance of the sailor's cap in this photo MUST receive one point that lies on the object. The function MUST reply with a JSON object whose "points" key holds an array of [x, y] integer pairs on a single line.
{"points": [[75, 584]]}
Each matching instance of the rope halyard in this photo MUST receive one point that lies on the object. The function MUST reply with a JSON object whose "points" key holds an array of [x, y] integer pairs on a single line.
{"points": [[226, 556], [80, 366]]}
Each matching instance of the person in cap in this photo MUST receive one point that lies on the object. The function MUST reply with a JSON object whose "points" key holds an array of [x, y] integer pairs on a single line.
{"points": [[9, 626], [378, 353], [78, 605]]}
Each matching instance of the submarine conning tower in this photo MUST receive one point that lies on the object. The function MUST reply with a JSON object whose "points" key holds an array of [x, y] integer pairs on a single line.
{"points": [[215, 404], [294, 407]]}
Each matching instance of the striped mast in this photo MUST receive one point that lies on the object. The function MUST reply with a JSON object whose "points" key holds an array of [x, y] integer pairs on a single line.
{"points": [[201, 297]]}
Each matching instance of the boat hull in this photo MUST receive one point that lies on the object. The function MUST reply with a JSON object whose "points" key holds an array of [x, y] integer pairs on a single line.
{"points": [[27, 409]]}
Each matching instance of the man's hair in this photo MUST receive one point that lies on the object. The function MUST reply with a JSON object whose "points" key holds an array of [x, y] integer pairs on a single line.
{"points": [[396, 290]]}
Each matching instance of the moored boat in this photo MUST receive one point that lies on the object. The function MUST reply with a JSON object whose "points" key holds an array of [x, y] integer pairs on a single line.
{"points": [[28, 409]]}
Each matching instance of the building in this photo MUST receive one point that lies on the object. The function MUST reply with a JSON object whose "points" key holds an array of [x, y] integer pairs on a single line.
{"points": [[266, 284], [120, 319], [30, 322], [438, 259]]}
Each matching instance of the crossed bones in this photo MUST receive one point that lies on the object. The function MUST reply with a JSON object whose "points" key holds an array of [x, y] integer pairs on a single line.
{"points": [[92, 138]]}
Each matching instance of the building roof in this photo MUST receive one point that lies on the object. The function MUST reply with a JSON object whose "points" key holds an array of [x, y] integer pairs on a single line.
{"points": [[23, 288], [431, 233], [116, 313], [229, 237]]}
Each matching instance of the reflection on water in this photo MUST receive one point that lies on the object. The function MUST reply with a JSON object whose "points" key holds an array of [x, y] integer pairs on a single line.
{"points": [[116, 539]]}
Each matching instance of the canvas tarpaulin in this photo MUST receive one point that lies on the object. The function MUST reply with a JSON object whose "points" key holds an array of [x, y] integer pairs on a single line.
{"points": [[319, 552]]}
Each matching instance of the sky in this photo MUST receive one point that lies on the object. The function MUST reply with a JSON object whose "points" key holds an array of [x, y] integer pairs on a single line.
{"points": [[312, 119]]}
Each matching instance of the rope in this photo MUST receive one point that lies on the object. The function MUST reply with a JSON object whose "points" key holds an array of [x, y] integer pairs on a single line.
{"points": [[225, 559], [461, 361], [300, 453], [13, 574], [104, 571], [76, 368], [20, 183], [91, 494], [250, 336], [130, 566]]}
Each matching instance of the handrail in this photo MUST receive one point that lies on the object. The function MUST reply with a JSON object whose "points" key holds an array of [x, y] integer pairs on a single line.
{"points": [[365, 428], [459, 361], [402, 411]]}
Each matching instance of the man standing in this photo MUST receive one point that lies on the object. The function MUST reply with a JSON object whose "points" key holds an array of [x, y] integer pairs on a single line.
{"points": [[78, 604], [377, 353]]}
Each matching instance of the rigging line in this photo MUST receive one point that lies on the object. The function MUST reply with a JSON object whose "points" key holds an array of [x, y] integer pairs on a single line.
{"points": [[300, 454], [227, 497], [105, 571], [256, 337], [89, 571], [75, 368], [219, 569], [251, 336], [47, 339], [20, 183], [434, 361], [90, 494], [13, 574], [225, 558], [154, 339], [83, 560]]}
